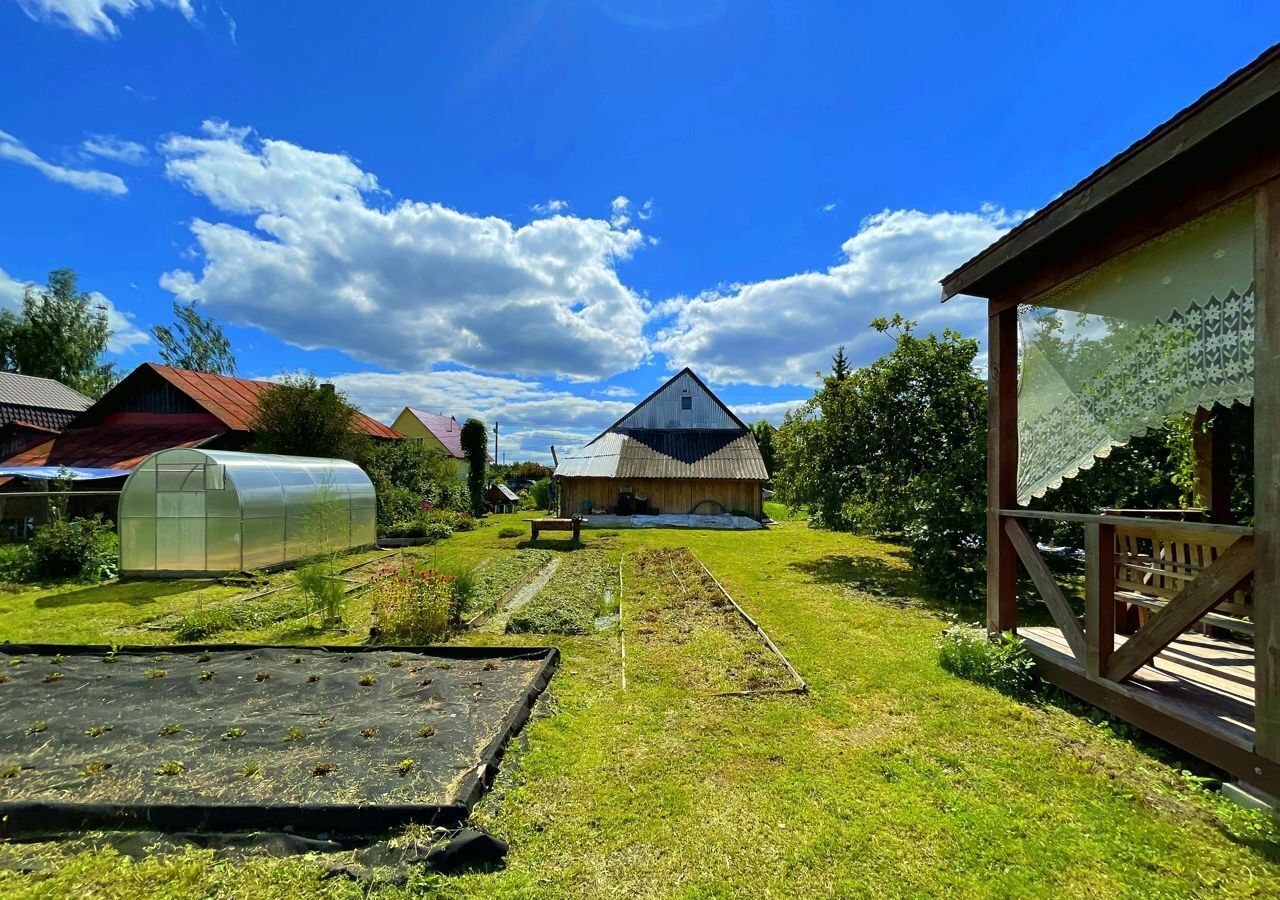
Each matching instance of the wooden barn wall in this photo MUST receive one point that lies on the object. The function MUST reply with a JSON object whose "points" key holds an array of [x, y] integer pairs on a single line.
{"points": [[663, 409], [674, 495]]}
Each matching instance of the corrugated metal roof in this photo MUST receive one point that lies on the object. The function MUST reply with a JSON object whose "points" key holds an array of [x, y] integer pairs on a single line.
{"points": [[234, 400], [668, 453], [44, 393], [111, 446], [445, 428]]}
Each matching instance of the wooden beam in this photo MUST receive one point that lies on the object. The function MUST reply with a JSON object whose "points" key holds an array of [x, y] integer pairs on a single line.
{"points": [[1191, 528], [1224, 575], [1048, 588], [1099, 598], [1266, 474], [1211, 442], [1002, 468]]}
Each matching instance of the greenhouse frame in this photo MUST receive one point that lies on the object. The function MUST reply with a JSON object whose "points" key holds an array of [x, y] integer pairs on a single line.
{"points": [[206, 512]]}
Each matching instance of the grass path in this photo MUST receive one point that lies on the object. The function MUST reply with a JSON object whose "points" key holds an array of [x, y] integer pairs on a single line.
{"points": [[497, 623], [892, 778]]}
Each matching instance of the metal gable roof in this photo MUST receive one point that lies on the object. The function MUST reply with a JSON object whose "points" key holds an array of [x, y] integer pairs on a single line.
{"points": [[42, 393], [446, 430], [666, 453]]}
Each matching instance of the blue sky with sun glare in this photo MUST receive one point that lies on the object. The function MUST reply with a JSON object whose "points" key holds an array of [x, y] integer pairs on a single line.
{"points": [[536, 211]]}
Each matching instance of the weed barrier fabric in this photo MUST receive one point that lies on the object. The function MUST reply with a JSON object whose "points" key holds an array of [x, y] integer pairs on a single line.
{"points": [[314, 740]]}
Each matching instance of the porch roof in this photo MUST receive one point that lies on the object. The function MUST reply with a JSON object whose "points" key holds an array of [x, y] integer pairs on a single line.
{"points": [[1226, 130]]}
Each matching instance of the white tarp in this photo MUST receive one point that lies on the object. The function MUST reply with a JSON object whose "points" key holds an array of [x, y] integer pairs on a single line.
{"points": [[723, 523]]}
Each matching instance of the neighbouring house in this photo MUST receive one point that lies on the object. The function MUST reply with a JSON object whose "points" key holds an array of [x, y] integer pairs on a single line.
{"points": [[153, 408], [502, 499], [1149, 292], [680, 451], [34, 407], [439, 432]]}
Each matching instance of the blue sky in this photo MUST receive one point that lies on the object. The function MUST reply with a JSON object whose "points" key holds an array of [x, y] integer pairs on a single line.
{"points": [[536, 211]]}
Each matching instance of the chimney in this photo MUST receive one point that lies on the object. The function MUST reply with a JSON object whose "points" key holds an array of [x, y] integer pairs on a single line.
{"points": [[327, 389]]}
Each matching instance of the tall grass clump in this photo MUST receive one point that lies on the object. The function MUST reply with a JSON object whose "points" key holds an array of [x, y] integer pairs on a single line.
{"points": [[1004, 664], [416, 606]]}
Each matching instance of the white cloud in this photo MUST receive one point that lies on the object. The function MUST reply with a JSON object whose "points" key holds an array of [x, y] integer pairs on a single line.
{"points": [[780, 331], [108, 146], [616, 390], [83, 179], [531, 416], [753, 412], [829, 207], [405, 284], [620, 217], [125, 334], [550, 208], [95, 17]]}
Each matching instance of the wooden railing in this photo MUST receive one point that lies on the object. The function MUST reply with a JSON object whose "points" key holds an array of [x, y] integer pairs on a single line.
{"points": [[1181, 571]]}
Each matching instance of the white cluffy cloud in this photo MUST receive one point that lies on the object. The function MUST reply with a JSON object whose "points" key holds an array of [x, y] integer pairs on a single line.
{"points": [[782, 330], [125, 333], [332, 261], [531, 416], [108, 146], [550, 208], [82, 179], [95, 17]]}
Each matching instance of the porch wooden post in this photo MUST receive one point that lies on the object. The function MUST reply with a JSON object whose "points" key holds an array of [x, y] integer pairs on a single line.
{"points": [[1212, 446], [1266, 476], [1099, 598], [1002, 463]]}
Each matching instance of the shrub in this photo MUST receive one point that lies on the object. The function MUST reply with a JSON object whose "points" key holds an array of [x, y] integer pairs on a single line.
{"points": [[323, 590], [1005, 664], [16, 562], [415, 606], [85, 549]]}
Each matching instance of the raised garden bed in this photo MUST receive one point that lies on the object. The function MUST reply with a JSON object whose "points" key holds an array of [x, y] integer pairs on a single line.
{"points": [[580, 592], [496, 580], [679, 620], [315, 739]]}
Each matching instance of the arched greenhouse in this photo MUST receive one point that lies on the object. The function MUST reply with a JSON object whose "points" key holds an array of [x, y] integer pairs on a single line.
{"points": [[188, 511]]}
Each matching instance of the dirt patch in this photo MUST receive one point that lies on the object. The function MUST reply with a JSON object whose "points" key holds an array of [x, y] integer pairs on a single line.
{"points": [[301, 736]]}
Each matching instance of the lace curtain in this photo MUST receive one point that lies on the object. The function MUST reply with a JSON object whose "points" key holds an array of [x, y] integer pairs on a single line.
{"points": [[1155, 332]]}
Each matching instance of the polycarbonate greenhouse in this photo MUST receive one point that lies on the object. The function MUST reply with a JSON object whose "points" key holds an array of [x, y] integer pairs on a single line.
{"points": [[187, 511]]}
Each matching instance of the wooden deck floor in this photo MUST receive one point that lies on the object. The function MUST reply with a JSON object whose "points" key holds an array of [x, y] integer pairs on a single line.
{"points": [[1199, 680]]}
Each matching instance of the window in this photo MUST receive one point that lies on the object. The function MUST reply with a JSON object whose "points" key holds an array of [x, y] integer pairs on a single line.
{"points": [[686, 402]]}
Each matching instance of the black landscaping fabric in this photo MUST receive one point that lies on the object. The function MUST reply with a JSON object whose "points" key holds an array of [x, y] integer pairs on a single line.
{"points": [[90, 748]]}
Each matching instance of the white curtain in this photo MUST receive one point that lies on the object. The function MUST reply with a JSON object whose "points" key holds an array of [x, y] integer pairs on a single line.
{"points": [[1160, 330]]}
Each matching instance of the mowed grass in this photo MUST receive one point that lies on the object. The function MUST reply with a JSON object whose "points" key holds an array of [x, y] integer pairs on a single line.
{"points": [[892, 778]]}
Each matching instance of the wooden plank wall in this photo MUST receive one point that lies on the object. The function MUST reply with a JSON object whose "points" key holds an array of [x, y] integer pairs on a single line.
{"points": [[669, 495]]}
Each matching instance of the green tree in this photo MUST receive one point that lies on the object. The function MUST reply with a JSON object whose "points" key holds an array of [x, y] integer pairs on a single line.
{"points": [[840, 368], [195, 342], [61, 333], [404, 473], [897, 447], [475, 446], [298, 416], [764, 432]]}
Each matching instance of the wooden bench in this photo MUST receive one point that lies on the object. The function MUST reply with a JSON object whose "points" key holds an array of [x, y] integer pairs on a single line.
{"points": [[573, 524], [1155, 562]]}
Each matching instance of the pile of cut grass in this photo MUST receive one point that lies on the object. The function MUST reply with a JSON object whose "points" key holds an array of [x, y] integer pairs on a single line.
{"points": [[490, 581], [577, 594]]}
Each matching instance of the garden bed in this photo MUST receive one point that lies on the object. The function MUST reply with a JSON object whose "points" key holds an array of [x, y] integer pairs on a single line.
{"points": [[315, 739], [679, 620], [579, 593]]}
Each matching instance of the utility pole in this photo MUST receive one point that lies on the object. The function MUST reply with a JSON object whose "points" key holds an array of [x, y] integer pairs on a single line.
{"points": [[495, 443]]}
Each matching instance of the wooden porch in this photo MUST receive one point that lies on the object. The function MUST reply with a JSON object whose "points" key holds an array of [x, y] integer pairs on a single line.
{"points": [[1180, 632]]}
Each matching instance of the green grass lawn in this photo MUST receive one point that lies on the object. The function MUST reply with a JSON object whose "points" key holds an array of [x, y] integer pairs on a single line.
{"points": [[891, 778]]}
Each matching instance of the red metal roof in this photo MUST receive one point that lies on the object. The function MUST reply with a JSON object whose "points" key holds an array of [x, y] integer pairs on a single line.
{"points": [[446, 429], [234, 400], [112, 446]]}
